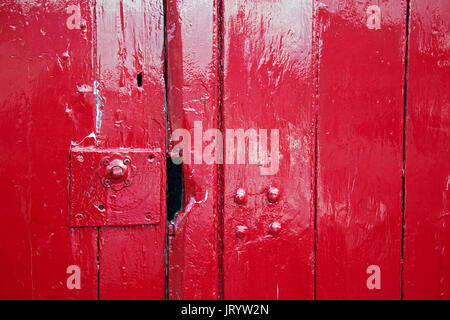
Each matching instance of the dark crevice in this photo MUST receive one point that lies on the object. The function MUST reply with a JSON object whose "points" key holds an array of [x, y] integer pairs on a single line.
{"points": [[166, 251], [174, 188], [98, 263], [405, 89], [139, 79], [316, 57], [220, 172]]}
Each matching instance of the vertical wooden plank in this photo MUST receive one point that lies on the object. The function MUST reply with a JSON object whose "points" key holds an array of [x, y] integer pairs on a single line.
{"points": [[46, 103], [130, 114], [268, 248], [426, 273], [131, 263], [360, 125], [192, 73]]}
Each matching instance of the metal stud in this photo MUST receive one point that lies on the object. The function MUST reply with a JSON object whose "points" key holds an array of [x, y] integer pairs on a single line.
{"points": [[241, 231], [273, 195], [241, 196], [275, 228]]}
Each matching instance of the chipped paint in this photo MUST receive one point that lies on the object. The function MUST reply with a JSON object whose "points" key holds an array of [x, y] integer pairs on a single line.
{"points": [[98, 106]]}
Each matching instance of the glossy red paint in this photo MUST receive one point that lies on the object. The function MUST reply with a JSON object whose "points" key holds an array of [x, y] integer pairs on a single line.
{"points": [[67, 80], [132, 263], [360, 134], [426, 273], [268, 84], [46, 104], [328, 75], [130, 42], [192, 91], [99, 199]]}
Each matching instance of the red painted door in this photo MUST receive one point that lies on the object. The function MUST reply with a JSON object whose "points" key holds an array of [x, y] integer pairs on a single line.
{"points": [[313, 140]]}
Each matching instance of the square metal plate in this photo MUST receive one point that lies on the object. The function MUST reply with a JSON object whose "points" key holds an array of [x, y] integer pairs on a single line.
{"points": [[115, 187]]}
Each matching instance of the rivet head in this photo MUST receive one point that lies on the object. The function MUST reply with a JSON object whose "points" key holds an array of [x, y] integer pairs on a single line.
{"points": [[241, 231], [275, 228], [116, 173], [273, 194], [79, 216], [65, 55], [241, 196]]}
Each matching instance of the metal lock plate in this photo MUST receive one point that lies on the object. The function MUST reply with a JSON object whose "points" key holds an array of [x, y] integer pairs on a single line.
{"points": [[115, 187]]}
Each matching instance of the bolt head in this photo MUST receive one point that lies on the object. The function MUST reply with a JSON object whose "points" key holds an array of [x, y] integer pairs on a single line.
{"points": [[241, 196], [116, 173], [273, 194], [241, 231], [275, 228]]}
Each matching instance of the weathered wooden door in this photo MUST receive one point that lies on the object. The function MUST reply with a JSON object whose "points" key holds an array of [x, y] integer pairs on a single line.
{"points": [[356, 208], [312, 135]]}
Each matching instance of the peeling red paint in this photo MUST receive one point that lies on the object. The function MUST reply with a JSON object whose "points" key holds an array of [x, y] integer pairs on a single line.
{"points": [[357, 205], [42, 111], [130, 41]]}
